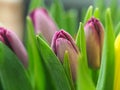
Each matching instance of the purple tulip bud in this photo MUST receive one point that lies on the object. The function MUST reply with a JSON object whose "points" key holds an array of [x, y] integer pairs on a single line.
{"points": [[62, 42], [43, 23], [94, 33], [12, 41]]}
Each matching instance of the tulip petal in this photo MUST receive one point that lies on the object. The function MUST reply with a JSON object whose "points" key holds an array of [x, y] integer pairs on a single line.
{"points": [[17, 47], [94, 41], [61, 42], [43, 23], [63, 45], [13, 42]]}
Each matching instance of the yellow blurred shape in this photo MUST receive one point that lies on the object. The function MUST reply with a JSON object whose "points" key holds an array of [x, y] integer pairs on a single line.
{"points": [[117, 64]]}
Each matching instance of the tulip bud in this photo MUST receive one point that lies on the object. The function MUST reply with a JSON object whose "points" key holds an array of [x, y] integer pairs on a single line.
{"points": [[12, 41], [43, 23], [94, 33], [62, 42]]}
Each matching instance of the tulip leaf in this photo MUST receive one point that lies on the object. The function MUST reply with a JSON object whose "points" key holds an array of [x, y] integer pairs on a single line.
{"points": [[71, 22], [81, 41], [78, 37], [35, 4], [114, 9], [117, 17], [57, 12], [106, 76], [100, 4], [84, 80], [12, 73], [54, 68], [96, 13], [66, 65], [88, 14], [1, 88], [64, 19], [35, 63], [117, 29]]}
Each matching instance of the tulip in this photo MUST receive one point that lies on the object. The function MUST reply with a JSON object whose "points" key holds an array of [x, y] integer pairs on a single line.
{"points": [[61, 42], [117, 63], [94, 33], [43, 23], [10, 39]]}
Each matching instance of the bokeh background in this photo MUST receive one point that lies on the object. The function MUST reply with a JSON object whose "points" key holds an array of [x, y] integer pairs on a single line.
{"points": [[13, 12]]}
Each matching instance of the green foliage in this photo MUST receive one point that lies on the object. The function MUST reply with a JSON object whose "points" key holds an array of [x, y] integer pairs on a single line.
{"points": [[35, 4], [65, 20], [13, 75], [106, 76], [70, 22], [117, 29], [55, 70], [84, 80], [113, 5], [88, 14], [96, 13], [35, 64], [57, 12], [67, 66]]}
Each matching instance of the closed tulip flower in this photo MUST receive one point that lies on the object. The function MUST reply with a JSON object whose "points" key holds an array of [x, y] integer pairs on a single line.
{"points": [[94, 33], [10, 39], [62, 42], [43, 23], [117, 63]]}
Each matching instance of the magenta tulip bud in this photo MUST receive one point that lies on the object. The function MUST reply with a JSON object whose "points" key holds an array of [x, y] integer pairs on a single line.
{"points": [[61, 42], [43, 23], [12, 41], [94, 33]]}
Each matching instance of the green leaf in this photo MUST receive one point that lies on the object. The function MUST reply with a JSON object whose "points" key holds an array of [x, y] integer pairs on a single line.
{"points": [[94, 74], [12, 73], [1, 88], [53, 66], [106, 76], [78, 36], [35, 4], [84, 80], [96, 13], [88, 14], [71, 22], [66, 65], [101, 4], [81, 42], [117, 29], [57, 12], [35, 63], [114, 9], [117, 16]]}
